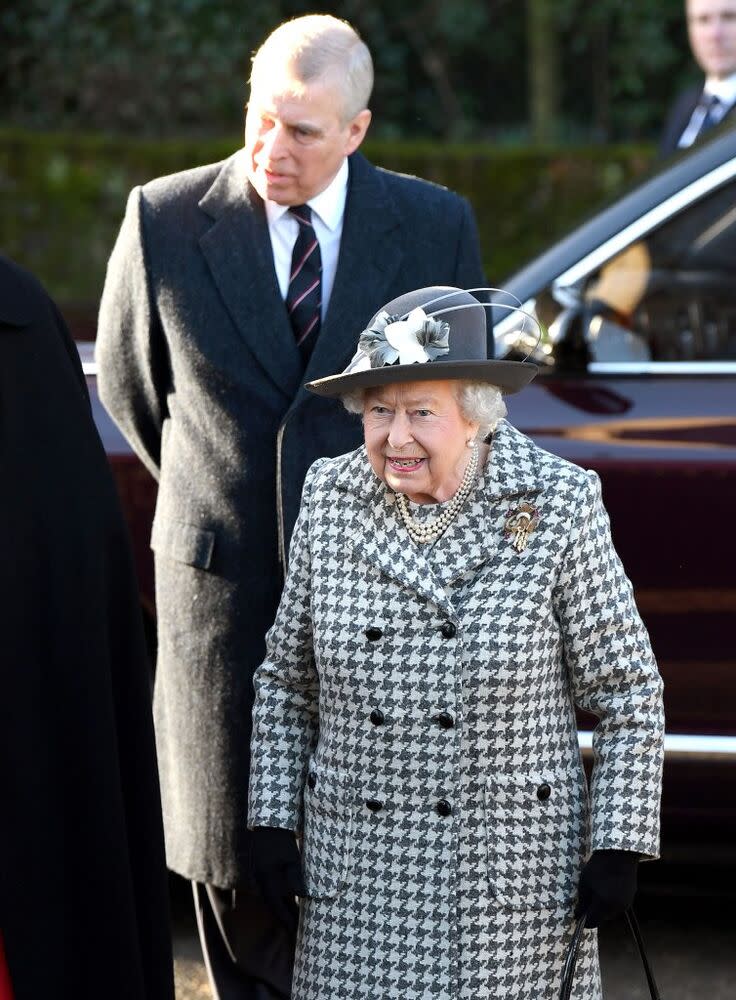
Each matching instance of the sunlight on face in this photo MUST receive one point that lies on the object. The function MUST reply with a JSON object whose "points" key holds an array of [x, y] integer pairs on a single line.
{"points": [[417, 438], [295, 140]]}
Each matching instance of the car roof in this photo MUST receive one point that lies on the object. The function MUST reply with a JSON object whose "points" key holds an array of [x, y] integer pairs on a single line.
{"points": [[671, 176]]}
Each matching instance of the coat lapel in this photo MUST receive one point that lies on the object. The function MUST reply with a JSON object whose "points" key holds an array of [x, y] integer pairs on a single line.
{"points": [[370, 256], [379, 537], [474, 539], [477, 536], [237, 248], [512, 469]]}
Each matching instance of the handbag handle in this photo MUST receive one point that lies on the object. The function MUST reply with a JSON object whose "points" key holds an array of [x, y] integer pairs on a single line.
{"points": [[571, 958]]}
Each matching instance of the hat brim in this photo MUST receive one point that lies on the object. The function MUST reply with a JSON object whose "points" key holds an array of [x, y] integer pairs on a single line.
{"points": [[509, 376]]}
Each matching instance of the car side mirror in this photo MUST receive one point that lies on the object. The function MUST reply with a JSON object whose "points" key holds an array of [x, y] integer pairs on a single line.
{"points": [[591, 330], [568, 334]]}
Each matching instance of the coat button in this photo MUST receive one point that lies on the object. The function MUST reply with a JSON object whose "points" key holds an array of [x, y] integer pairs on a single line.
{"points": [[544, 792], [444, 808], [377, 717], [448, 630], [374, 805], [373, 632], [312, 780], [445, 720]]}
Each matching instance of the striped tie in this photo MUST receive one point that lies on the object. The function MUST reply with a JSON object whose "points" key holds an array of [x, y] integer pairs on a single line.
{"points": [[304, 297]]}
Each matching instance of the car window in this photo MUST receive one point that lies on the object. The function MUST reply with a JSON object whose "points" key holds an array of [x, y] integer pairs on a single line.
{"points": [[671, 296]]}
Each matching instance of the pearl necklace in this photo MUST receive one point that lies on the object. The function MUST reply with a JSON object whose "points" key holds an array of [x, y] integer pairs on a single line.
{"points": [[430, 531]]}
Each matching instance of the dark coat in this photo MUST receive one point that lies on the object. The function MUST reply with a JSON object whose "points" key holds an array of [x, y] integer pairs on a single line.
{"points": [[199, 367], [83, 886], [678, 117]]}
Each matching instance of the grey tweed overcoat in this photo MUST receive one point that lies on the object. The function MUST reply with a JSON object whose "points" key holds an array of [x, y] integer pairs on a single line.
{"points": [[414, 721], [199, 368]]}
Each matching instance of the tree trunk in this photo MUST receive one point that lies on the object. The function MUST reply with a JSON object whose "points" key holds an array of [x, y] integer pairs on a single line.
{"points": [[544, 71]]}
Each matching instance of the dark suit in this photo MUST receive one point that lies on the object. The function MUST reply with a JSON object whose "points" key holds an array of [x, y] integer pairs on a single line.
{"points": [[678, 118], [199, 367]]}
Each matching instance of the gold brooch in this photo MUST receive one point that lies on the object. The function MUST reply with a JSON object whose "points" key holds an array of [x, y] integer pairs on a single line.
{"points": [[519, 524]]}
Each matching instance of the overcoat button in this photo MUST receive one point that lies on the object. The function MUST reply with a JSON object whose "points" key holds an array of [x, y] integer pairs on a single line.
{"points": [[377, 717], [448, 630], [312, 780], [445, 720], [374, 805], [544, 792], [373, 632], [444, 808]]}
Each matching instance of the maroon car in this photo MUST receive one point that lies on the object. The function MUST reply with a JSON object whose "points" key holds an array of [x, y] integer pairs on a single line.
{"points": [[638, 381]]}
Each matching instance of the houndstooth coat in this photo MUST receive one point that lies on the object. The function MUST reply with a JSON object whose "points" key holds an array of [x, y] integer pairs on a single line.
{"points": [[414, 722]]}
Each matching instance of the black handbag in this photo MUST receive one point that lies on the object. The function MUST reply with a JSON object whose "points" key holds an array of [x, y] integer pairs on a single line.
{"points": [[571, 959]]}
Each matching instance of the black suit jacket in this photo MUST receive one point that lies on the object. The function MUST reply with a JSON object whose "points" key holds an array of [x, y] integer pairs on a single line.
{"points": [[678, 117], [199, 367]]}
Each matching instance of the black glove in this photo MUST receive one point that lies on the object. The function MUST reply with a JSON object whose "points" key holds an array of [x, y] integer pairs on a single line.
{"points": [[276, 869], [607, 886]]}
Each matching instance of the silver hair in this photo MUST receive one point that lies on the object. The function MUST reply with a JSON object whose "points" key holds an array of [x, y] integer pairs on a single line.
{"points": [[479, 402], [318, 46]]}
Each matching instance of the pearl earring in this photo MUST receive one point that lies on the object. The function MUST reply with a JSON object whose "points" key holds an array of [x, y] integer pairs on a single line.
{"points": [[470, 442]]}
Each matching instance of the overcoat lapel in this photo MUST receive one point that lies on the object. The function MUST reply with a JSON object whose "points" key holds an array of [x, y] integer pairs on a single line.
{"points": [[474, 539], [237, 248], [370, 257], [379, 537], [477, 536], [512, 467]]}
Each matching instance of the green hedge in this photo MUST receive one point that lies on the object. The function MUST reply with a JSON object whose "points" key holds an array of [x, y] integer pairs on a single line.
{"points": [[63, 195]]}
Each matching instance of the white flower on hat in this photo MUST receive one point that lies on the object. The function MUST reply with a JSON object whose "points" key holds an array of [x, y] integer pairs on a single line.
{"points": [[403, 336], [415, 339]]}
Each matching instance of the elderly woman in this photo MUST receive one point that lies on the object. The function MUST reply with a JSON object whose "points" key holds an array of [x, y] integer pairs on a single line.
{"points": [[453, 593]]}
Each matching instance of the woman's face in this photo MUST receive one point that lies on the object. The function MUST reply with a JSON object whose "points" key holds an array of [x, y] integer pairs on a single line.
{"points": [[417, 438]]}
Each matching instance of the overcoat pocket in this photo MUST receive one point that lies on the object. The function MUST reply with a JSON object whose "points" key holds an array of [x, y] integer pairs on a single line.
{"points": [[327, 836], [186, 543], [536, 830]]}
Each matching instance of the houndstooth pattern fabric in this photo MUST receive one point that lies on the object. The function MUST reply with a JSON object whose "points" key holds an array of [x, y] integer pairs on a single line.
{"points": [[442, 860]]}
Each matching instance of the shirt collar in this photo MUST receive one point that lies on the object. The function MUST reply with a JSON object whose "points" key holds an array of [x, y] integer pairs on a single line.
{"points": [[329, 204], [724, 90]]}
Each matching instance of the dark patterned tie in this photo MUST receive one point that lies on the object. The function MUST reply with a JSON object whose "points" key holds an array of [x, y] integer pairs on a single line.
{"points": [[304, 297], [713, 113]]}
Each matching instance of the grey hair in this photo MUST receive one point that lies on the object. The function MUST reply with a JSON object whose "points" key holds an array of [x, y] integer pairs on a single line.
{"points": [[483, 404], [318, 46], [479, 402]]}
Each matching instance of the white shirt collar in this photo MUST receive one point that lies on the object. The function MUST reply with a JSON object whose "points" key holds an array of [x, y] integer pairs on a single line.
{"points": [[724, 90], [329, 204]]}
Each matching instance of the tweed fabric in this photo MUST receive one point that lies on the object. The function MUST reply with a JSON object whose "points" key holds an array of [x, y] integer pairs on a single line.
{"points": [[405, 901], [199, 367]]}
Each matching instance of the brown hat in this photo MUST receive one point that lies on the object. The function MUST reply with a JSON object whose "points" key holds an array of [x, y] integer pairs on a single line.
{"points": [[429, 334]]}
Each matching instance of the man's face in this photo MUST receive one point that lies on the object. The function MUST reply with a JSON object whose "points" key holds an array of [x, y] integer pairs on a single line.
{"points": [[295, 138], [712, 29]]}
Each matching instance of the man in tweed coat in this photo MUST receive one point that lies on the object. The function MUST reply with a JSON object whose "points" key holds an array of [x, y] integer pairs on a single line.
{"points": [[414, 718], [200, 367]]}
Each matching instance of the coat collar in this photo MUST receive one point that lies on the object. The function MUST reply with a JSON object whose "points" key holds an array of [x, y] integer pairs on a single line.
{"points": [[513, 473], [17, 293], [237, 248]]}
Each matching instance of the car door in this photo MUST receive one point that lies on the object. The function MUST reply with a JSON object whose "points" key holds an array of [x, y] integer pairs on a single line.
{"points": [[638, 381]]}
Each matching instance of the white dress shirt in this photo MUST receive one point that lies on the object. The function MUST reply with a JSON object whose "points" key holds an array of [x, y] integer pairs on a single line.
{"points": [[328, 212], [725, 92]]}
